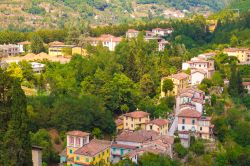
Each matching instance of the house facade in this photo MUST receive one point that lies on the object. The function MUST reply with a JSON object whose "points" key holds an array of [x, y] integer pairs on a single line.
{"points": [[243, 54], [246, 86], [180, 81], [82, 152], [59, 50], [135, 120], [197, 75], [132, 33], [162, 32], [9, 50], [158, 125], [190, 120], [106, 40]]}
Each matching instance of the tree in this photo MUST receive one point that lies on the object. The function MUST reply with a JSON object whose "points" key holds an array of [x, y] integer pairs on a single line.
{"points": [[148, 159], [43, 139], [180, 150], [234, 41], [15, 143], [97, 133], [147, 85], [233, 87], [168, 85], [37, 44]]}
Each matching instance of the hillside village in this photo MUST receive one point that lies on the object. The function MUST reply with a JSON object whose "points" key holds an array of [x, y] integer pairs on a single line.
{"points": [[161, 93]]}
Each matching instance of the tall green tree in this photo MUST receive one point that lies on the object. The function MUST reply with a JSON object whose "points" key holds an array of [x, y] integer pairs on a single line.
{"points": [[37, 44], [168, 85], [15, 143]]}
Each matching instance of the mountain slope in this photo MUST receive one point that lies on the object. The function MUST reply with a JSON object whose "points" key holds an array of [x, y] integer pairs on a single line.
{"points": [[30, 14]]}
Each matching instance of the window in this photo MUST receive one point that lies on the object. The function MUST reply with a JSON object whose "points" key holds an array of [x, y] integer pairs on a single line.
{"points": [[77, 158], [70, 151], [71, 140], [151, 127], [131, 125], [193, 122], [132, 119], [183, 121], [78, 141], [183, 127], [200, 128], [87, 159]]}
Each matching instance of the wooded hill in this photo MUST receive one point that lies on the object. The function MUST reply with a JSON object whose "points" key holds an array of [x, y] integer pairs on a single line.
{"points": [[31, 14]]}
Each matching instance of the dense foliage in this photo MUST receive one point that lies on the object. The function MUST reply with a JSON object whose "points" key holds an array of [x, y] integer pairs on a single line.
{"points": [[15, 145]]}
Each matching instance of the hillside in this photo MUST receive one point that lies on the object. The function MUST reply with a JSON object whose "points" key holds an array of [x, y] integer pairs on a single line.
{"points": [[31, 14]]}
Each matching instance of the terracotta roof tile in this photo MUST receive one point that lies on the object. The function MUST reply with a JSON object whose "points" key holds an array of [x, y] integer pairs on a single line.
{"points": [[159, 122], [132, 30], [137, 114], [139, 136], [93, 147], [180, 76], [77, 133], [189, 113], [123, 146], [245, 83]]}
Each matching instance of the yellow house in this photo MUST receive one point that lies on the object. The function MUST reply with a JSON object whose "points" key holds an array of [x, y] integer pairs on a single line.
{"points": [[243, 54], [60, 50], [79, 50], [82, 152], [180, 81], [94, 153], [158, 125], [75, 140], [135, 120]]}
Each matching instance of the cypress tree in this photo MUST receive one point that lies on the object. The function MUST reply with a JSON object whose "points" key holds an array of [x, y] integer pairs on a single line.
{"points": [[241, 89], [233, 88], [15, 139]]}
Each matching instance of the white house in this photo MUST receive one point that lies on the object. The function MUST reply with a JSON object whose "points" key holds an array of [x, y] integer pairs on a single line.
{"points": [[162, 32], [246, 86], [37, 67], [197, 75], [106, 40], [132, 33]]}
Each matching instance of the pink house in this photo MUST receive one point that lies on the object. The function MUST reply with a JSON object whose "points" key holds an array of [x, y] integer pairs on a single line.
{"points": [[193, 121]]}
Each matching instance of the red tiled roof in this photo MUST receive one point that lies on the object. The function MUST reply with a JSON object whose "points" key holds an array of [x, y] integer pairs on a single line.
{"points": [[93, 147], [106, 37], [132, 30], [245, 83], [24, 43], [190, 113], [139, 136], [55, 43], [180, 76], [137, 114], [77, 133], [123, 146], [235, 49], [159, 122]]}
